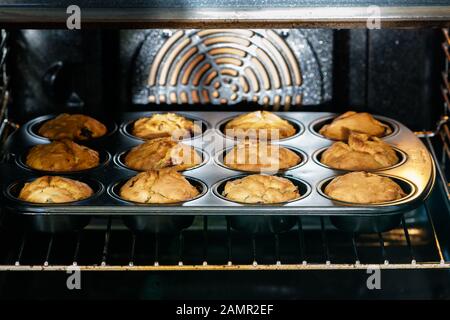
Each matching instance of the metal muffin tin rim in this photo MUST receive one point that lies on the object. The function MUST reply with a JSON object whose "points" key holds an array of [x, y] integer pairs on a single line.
{"points": [[392, 124], [112, 193], [31, 125], [124, 125], [216, 185], [204, 154], [297, 123], [303, 155], [19, 161], [89, 181], [404, 155], [320, 186], [419, 161]]}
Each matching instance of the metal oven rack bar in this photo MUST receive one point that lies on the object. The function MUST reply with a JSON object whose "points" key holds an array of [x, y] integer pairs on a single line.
{"points": [[410, 246]]}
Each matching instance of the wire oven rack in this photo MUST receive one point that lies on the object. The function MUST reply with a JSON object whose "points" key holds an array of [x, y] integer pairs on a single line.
{"points": [[211, 244]]}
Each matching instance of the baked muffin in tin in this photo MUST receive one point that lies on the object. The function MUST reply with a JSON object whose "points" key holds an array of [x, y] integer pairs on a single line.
{"points": [[162, 153], [55, 189], [254, 156], [364, 188], [62, 156], [72, 126], [263, 125], [262, 189], [165, 125], [360, 153], [363, 122], [158, 187]]}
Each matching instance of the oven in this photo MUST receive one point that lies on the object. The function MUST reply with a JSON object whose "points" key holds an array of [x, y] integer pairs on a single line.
{"points": [[210, 61]]}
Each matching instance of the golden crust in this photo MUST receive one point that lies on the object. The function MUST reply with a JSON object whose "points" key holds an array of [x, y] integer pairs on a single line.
{"points": [[363, 122], [73, 127], [162, 186], [364, 188], [361, 153], [55, 189], [261, 189], [162, 153], [260, 157], [64, 155], [259, 125], [165, 125]]}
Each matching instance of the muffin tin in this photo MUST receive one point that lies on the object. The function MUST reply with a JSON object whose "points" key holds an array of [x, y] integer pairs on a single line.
{"points": [[415, 173]]}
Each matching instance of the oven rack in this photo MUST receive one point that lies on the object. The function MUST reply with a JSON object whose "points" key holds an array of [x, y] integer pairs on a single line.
{"points": [[213, 245]]}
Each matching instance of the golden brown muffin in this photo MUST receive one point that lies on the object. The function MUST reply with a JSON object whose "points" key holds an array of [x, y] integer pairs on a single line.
{"points": [[55, 190], [364, 188], [259, 125], [162, 153], [73, 127], [340, 127], [361, 153], [165, 125], [158, 186], [261, 189], [64, 155], [260, 157]]}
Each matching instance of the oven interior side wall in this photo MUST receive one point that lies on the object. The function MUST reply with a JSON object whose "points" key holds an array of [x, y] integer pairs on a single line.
{"points": [[393, 72]]}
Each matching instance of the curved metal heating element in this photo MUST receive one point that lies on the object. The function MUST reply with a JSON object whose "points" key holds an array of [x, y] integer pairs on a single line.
{"points": [[221, 66]]}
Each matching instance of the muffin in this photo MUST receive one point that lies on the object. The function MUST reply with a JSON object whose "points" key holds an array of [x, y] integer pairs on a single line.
{"points": [[162, 153], [165, 125], [259, 125], [340, 127], [64, 155], [261, 189], [361, 153], [364, 188], [260, 157], [73, 127], [54, 190], [158, 186]]}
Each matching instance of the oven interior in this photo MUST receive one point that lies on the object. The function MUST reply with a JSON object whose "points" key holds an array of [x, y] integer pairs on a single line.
{"points": [[399, 73]]}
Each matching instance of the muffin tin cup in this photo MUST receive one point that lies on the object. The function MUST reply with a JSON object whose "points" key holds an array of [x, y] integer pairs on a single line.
{"points": [[53, 223], [158, 224], [418, 168], [266, 223]]}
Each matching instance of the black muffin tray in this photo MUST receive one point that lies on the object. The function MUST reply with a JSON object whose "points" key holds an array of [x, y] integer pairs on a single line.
{"points": [[415, 174]]}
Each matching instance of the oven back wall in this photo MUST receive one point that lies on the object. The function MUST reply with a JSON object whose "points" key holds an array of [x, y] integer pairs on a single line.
{"points": [[390, 72]]}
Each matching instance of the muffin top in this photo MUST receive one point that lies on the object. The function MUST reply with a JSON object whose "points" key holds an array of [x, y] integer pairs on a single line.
{"points": [[363, 122], [162, 153], [158, 186], [262, 125], [64, 155], [364, 188], [260, 157], [261, 189], [361, 153], [165, 125], [73, 127], [54, 189]]}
